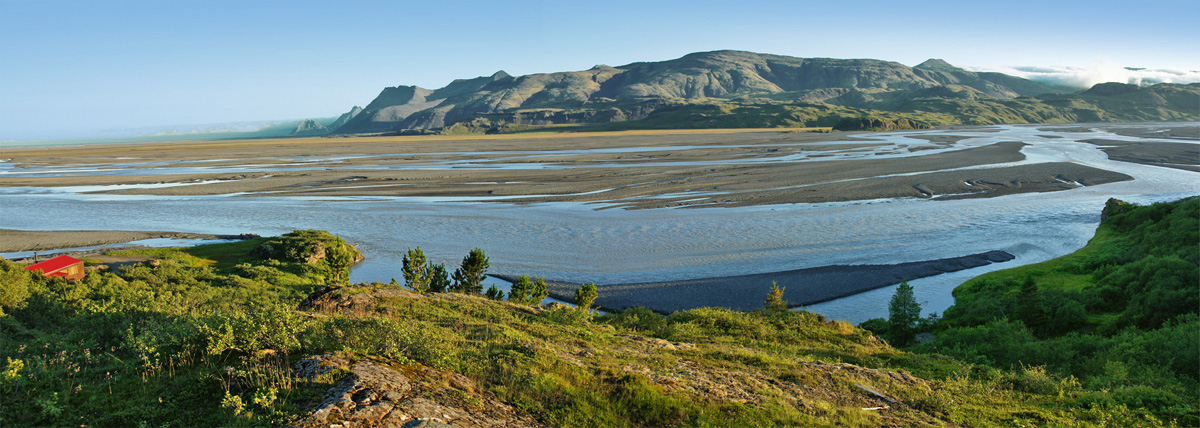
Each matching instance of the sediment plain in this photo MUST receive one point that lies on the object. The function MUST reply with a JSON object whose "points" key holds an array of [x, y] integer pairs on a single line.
{"points": [[636, 170]]}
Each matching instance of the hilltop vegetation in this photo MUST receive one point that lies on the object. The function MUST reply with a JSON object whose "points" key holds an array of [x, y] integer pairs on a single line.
{"points": [[1118, 319], [225, 335], [734, 89]]}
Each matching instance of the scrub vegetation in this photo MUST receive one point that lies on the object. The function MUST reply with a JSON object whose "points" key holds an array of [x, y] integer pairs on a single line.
{"points": [[209, 336], [1119, 318]]}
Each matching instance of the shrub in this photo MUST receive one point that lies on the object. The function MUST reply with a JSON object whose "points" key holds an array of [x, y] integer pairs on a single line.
{"points": [[585, 296], [775, 298]]}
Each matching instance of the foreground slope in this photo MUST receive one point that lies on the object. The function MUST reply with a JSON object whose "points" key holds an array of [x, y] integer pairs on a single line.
{"points": [[246, 334]]}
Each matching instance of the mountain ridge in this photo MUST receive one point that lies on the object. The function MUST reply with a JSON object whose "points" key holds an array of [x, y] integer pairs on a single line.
{"points": [[930, 94]]}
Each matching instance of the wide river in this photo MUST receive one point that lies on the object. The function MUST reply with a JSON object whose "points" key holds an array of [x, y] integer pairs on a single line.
{"points": [[576, 242]]}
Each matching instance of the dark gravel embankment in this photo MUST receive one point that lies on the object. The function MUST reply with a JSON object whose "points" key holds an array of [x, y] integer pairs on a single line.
{"points": [[747, 292]]}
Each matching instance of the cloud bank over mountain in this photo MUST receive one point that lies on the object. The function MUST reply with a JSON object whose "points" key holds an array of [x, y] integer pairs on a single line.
{"points": [[1101, 71]]}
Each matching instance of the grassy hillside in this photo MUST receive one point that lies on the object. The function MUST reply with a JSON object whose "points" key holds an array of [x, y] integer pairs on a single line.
{"points": [[1119, 317], [224, 335]]}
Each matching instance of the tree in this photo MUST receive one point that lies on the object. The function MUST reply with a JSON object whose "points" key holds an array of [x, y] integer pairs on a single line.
{"points": [[439, 280], [494, 293], [14, 286], [538, 293], [468, 278], [339, 259], [519, 293], [584, 297], [527, 291], [775, 298], [903, 314], [1030, 309], [416, 271]]}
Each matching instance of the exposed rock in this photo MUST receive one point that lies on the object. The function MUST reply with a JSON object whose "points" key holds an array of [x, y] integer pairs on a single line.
{"points": [[378, 392], [265, 251], [1114, 207], [878, 124], [316, 252], [352, 299]]}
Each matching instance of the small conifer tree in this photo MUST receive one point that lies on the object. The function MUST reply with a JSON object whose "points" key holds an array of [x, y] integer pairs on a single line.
{"points": [[903, 314], [775, 298], [439, 280], [539, 292], [494, 293], [416, 271], [468, 278], [521, 290], [339, 259]]}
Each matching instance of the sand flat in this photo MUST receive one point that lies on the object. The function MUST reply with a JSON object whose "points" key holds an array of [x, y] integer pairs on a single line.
{"points": [[632, 170]]}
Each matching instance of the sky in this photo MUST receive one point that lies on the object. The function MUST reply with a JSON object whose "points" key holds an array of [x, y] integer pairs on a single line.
{"points": [[72, 69]]}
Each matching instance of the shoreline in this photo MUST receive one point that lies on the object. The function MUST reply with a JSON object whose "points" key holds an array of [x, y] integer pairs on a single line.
{"points": [[12, 241], [747, 292]]}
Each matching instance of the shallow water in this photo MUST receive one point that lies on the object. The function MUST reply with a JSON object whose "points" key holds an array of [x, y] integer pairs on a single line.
{"points": [[576, 242]]}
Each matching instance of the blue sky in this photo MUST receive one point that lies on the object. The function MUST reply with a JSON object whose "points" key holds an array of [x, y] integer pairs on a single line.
{"points": [[71, 68]]}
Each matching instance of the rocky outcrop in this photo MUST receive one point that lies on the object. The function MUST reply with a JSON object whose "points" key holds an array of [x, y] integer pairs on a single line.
{"points": [[309, 127], [381, 393], [1114, 207], [878, 124]]}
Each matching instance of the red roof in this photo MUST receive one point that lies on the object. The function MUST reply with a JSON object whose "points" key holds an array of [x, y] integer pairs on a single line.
{"points": [[54, 265]]}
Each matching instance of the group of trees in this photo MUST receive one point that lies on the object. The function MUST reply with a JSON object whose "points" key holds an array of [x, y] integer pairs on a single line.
{"points": [[424, 276]]}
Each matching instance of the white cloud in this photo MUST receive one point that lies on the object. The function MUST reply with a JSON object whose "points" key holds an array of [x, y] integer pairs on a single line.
{"points": [[1100, 71]]}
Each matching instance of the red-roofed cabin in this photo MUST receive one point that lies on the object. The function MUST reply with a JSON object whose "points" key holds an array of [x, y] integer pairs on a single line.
{"points": [[62, 266]]}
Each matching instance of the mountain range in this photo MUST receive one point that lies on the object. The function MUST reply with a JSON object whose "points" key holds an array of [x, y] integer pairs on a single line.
{"points": [[744, 89]]}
